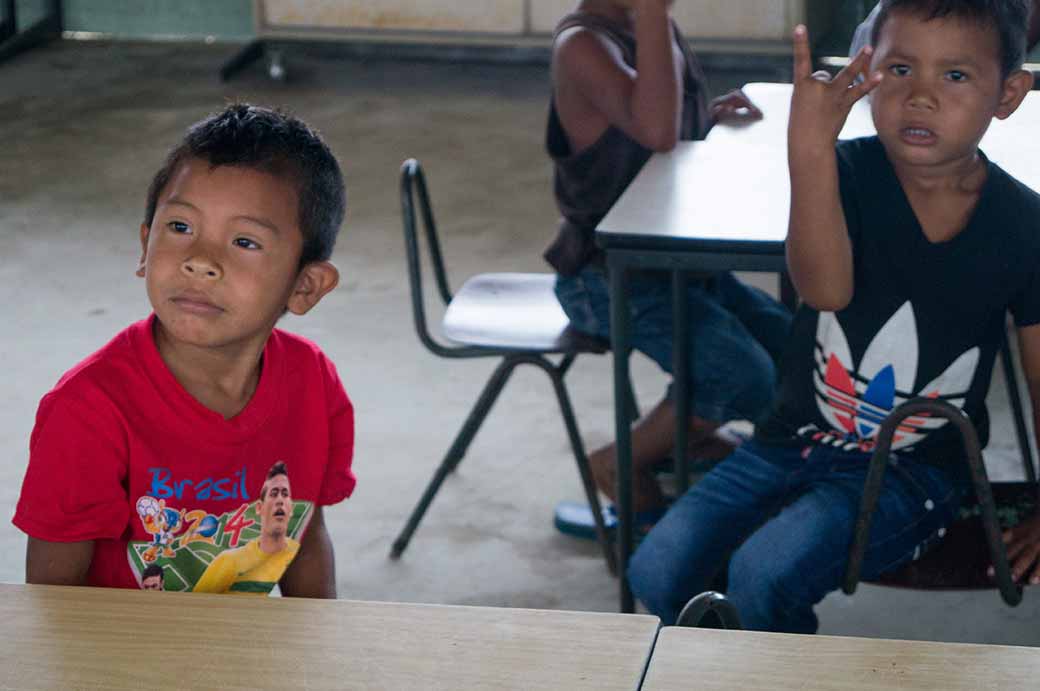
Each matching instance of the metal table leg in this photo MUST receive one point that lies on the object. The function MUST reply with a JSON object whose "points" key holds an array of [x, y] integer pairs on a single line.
{"points": [[681, 377], [619, 342]]}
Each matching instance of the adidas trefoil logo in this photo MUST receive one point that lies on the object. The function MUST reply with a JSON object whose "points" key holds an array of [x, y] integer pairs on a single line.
{"points": [[855, 400]]}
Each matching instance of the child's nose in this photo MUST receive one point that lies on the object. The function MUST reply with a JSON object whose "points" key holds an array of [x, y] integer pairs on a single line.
{"points": [[202, 267], [921, 97]]}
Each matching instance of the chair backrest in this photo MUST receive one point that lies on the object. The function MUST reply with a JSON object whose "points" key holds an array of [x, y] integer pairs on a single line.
{"points": [[1009, 590], [413, 194]]}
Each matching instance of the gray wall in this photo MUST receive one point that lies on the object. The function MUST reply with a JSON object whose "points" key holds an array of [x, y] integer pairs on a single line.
{"points": [[226, 19]]}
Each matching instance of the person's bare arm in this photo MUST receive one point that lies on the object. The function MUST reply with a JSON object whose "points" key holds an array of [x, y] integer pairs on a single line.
{"points": [[1023, 541], [644, 102], [313, 571], [57, 563], [819, 252]]}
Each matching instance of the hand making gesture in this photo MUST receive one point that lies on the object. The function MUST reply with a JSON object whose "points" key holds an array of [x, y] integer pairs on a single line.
{"points": [[819, 253], [821, 104]]}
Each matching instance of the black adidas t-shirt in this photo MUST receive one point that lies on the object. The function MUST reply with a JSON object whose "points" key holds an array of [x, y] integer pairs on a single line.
{"points": [[926, 319]]}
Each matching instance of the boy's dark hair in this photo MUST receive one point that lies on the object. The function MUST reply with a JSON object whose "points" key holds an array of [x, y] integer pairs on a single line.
{"points": [[276, 470], [1010, 18], [272, 142], [153, 570]]}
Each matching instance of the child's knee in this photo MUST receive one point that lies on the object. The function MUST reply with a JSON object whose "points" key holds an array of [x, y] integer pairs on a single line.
{"points": [[758, 576], [655, 583]]}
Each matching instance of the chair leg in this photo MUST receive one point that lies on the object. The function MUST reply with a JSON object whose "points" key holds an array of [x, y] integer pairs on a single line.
{"points": [[458, 449], [1014, 397], [583, 465]]}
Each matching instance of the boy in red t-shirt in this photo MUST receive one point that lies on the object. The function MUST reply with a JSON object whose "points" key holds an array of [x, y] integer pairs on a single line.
{"points": [[151, 456]]}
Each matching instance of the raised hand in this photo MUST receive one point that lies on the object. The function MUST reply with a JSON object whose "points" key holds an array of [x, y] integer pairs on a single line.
{"points": [[820, 105]]}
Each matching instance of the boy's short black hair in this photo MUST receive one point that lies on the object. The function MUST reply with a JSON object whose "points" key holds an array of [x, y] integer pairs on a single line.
{"points": [[276, 143], [1010, 18], [153, 570], [277, 469]]}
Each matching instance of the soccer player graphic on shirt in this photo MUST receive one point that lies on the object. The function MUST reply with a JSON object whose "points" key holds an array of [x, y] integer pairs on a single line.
{"points": [[153, 578], [260, 563]]}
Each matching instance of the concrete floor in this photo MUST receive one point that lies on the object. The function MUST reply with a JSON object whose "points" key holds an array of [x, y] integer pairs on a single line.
{"points": [[82, 129]]}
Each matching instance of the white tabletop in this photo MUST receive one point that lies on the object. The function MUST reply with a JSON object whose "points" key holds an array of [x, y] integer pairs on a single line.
{"points": [[732, 190], [708, 659], [96, 638]]}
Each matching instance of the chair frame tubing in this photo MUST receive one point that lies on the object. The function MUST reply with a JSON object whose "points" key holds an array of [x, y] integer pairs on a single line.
{"points": [[1010, 591], [709, 601], [413, 183]]}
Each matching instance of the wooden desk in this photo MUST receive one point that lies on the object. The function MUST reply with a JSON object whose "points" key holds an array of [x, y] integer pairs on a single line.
{"points": [[65, 638], [722, 205], [716, 659]]}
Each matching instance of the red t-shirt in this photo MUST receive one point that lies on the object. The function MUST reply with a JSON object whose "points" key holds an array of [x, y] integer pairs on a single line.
{"points": [[121, 454]]}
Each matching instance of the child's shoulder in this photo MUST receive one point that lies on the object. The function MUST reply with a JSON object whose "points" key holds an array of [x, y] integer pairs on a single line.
{"points": [[102, 386], [116, 361], [299, 352]]}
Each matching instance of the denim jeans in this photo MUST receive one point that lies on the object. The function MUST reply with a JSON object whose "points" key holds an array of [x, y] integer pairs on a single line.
{"points": [[784, 519], [737, 333]]}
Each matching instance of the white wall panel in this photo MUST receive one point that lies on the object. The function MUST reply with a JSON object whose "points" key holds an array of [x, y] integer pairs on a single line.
{"points": [[728, 19], [494, 16]]}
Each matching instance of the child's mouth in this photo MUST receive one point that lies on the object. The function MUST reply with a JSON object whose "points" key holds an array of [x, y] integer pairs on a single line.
{"points": [[196, 305], [917, 136]]}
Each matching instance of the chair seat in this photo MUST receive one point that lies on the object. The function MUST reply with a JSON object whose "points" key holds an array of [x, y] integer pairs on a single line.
{"points": [[514, 311], [961, 559]]}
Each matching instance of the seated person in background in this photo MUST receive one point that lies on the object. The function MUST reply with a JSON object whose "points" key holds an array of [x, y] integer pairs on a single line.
{"points": [[907, 249], [626, 84], [147, 458]]}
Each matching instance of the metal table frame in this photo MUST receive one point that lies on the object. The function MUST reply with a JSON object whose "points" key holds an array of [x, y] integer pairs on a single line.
{"points": [[13, 42], [685, 259]]}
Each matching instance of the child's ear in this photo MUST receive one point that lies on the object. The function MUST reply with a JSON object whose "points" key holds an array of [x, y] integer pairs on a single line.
{"points": [[144, 250], [1016, 86], [316, 279]]}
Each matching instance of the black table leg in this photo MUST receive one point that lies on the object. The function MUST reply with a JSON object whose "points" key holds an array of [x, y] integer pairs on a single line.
{"points": [[619, 342], [681, 377]]}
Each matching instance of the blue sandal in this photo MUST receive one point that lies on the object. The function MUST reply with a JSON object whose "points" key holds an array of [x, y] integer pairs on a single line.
{"points": [[575, 519]]}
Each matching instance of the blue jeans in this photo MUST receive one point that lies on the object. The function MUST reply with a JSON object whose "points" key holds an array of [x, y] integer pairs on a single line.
{"points": [[784, 519], [737, 333]]}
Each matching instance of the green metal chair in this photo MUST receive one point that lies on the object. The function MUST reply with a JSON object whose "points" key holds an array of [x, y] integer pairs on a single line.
{"points": [[511, 316]]}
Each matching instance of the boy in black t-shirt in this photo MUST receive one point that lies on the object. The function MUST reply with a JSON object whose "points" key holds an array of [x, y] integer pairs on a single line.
{"points": [[907, 250]]}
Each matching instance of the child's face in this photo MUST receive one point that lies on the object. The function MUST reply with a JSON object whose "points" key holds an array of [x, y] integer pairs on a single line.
{"points": [[942, 86], [221, 256]]}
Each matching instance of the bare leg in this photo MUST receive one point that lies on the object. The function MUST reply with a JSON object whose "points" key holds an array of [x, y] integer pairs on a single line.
{"points": [[653, 439]]}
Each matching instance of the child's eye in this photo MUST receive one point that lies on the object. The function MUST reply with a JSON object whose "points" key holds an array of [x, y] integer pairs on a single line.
{"points": [[246, 244], [956, 76], [178, 227], [899, 70]]}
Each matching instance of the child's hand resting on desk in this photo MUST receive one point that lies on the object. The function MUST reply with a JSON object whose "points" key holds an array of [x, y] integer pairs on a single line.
{"points": [[734, 108], [820, 105]]}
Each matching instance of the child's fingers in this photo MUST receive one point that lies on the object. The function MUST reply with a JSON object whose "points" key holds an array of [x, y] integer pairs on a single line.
{"points": [[847, 76], [858, 91], [802, 56]]}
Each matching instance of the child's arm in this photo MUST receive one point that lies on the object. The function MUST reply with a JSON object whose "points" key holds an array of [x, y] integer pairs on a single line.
{"points": [[819, 252], [643, 103], [1023, 541], [313, 571], [57, 563]]}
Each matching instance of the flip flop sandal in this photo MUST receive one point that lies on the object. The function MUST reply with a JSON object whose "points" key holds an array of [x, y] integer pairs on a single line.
{"points": [[575, 519]]}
